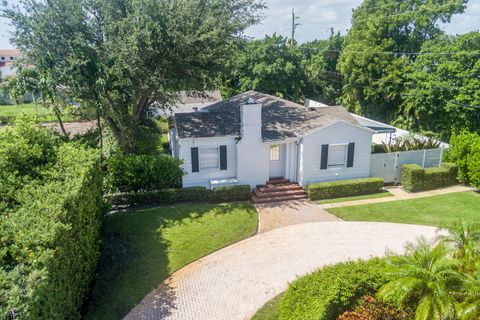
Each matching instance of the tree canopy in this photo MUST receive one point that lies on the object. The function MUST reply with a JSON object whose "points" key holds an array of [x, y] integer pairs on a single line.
{"points": [[120, 56]]}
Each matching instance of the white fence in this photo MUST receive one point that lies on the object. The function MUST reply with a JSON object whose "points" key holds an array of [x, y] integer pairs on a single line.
{"points": [[389, 165]]}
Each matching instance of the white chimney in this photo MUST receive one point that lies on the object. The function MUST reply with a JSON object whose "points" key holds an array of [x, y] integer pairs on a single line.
{"points": [[251, 118]]}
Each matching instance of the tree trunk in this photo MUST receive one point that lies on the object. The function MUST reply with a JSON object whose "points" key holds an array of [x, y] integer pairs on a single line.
{"points": [[59, 119], [100, 131], [125, 137]]}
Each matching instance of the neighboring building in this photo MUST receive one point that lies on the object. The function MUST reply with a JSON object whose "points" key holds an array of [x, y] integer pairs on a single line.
{"points": [[188, 102], [254, 137], [7, 62]]}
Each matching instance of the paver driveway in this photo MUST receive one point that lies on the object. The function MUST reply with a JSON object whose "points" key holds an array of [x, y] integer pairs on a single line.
{"points": [[234, 282]]}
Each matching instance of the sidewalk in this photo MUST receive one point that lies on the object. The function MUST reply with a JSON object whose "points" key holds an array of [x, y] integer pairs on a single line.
{"points": [[398, 194]]}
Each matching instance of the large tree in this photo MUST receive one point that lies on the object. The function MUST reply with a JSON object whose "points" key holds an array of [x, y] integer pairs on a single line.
{"points": [[443, 88], [122, 55], [379, 49], [269, 65]]}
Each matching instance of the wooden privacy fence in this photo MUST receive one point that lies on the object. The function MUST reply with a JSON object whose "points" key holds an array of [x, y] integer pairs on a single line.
{"points": [[389, 165]]}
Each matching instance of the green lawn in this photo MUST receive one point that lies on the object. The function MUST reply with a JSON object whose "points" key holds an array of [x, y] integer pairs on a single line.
{"points": [[141, 248], [436, 211], [8, 113], [346, 199], [270, 310]]}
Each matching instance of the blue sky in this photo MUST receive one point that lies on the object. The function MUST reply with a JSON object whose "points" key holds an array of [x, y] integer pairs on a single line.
{"points": [[316, 19]]}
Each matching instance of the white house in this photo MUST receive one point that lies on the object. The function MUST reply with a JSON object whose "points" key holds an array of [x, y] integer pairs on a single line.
{"points": [[254, 137], [7, 62]]}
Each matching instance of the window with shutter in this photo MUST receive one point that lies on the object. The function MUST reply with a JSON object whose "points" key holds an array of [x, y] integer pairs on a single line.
{"points": [[208, 158], [337, 155]]}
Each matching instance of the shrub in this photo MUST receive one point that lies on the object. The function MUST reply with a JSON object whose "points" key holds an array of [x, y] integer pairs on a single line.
{"points": [[241, 192], [462, 147], [344, 188], [170, 196], [127, 173], [370, 308], [326, 293], [415, 178], [50, 241]]}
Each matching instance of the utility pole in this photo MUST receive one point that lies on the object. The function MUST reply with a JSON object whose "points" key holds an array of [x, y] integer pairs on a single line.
{"points": [[294, 27]]}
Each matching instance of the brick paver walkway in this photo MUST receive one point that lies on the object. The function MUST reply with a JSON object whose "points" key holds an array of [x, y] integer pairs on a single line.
{"points": [[234, 282], [280, 214]]}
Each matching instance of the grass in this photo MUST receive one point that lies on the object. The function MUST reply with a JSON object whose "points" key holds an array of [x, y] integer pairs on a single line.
{"points": [[347, 199], [438, 210], [270, 310], [142, 248], [8, 113]]}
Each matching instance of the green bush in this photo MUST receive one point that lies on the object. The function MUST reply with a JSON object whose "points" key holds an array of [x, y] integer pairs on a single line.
{"points": [[49, 242], [415, 178], [463, 146], [326, 293], [170, 196], [133, 173], [229, 193], [344, 188]]}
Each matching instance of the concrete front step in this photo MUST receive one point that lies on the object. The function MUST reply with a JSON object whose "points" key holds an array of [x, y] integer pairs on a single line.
{"points": [[277, 199]]}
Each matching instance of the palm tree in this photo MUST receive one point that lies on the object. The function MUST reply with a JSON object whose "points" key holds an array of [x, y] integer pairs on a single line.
{"points": [[469, 309], [464, 240], [424, 278]]}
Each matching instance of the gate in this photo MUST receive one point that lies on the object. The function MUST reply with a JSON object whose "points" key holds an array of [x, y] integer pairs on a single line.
{"points": [[389, 165]]}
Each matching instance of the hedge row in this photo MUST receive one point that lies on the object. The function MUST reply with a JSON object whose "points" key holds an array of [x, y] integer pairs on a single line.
{"points": [[133, 173], [49, 244], [415, 178], [326, 293], [170, 196], [344, 188]]}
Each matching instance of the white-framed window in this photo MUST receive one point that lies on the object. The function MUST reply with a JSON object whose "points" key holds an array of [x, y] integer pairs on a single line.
{"points": [[209, 158], [275, 153], [337, 155]]}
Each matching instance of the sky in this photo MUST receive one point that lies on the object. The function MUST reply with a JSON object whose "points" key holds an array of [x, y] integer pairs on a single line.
{"points": [[316, 17]]}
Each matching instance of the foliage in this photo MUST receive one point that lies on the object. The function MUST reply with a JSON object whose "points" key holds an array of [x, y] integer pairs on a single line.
{"points": [[415, 178], [267, 65], [374, 80], [50, 241], [440, 85], [140, 249], [465, 152], [121, 56], [469, 308], [370, 308], [326, 293], [411, 143], [344, 188], [425, 278], [170, 196], [26, 151], [127, 173]]}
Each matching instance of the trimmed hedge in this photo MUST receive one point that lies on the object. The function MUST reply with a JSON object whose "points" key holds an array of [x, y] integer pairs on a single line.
{"points": [[133, 173], [326, 293], [170, 196], [415, 178], [49, 243], [344, 188]]}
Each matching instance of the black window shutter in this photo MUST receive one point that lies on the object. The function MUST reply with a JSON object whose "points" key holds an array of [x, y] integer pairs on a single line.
{"points": [[195, 166], [324, 159], [350, 153], [223, 157]]}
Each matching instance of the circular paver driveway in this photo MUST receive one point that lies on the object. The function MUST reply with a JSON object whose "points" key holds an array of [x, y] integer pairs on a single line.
{"points": [[234, 282]]}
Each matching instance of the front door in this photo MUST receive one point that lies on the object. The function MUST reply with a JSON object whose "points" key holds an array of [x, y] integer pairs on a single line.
{"points": [[277, 161]]}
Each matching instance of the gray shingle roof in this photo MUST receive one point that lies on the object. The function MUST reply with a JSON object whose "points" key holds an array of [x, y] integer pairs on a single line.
{"points": [[280, 118]]}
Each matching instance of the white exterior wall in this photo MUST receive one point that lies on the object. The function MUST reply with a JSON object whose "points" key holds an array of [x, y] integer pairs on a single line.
{"points": [[340, 132], [202, 178], [253, 164]]}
